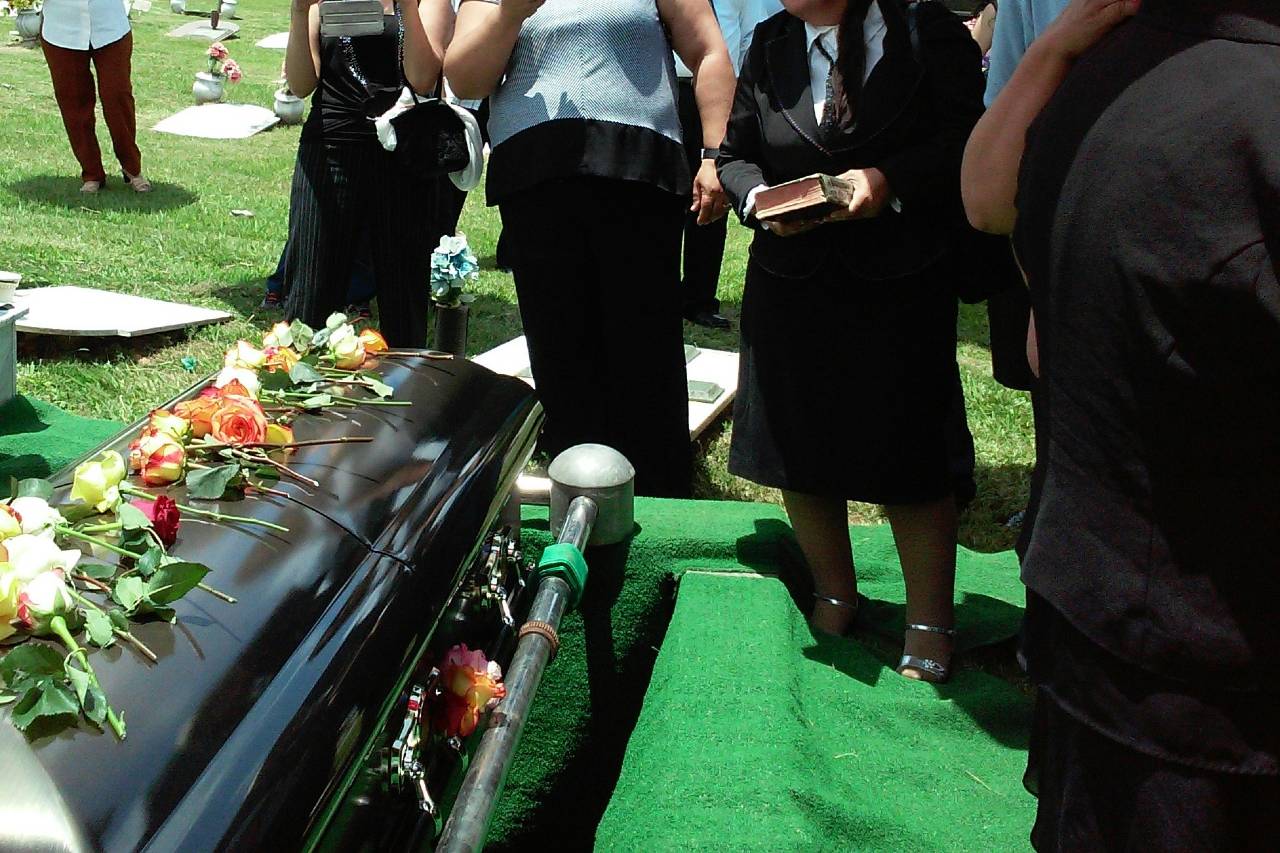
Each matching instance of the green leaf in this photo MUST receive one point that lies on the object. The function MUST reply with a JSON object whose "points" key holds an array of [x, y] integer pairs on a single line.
{"points": [[34, 488], [318, 401], [98, 626], [6, 698], [172, 581], [138, 539], [128, 592], [79, 680], [210, 483], [97, 571], [275, 381], [118, 619], [380, 388], [30, 659], [266, 472], [302, 373], [151, 560], [48, 698], [132, 518]]}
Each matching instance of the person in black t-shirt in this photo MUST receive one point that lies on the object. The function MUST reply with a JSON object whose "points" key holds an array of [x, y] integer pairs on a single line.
{"points": [[344, 182], [1141, 181]]}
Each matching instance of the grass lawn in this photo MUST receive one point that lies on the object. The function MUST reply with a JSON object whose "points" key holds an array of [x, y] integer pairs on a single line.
{"points": [[182, 243]]}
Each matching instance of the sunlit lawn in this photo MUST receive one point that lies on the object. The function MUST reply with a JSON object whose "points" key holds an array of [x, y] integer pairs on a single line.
{"points": [[182, 243]]}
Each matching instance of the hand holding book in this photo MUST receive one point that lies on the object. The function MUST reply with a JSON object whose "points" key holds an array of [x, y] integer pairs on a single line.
{"points": [[803, 204]]}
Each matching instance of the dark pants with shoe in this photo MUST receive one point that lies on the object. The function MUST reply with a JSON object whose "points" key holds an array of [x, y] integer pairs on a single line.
{"points": [[73, 90], [703, 244], [596, 265]]}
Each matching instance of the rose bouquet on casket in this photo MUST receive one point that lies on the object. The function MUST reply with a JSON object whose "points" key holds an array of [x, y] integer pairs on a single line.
{"points": [[92, 567]]}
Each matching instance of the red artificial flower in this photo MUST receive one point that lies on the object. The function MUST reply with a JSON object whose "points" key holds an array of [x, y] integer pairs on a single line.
{"points": [[164, 515]]}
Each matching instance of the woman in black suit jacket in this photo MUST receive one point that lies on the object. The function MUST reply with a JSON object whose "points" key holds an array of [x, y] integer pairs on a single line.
{"points": [[848, 328]]}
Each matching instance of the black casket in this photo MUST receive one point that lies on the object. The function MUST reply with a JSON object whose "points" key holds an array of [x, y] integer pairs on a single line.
{"points": [[260, 719]]}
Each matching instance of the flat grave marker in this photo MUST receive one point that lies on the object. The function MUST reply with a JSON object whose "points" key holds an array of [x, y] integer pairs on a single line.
{"points": [[92, 313]]}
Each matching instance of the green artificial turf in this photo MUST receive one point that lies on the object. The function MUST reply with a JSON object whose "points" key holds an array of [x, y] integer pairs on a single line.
{"points": [[767, 739], [37, 439], [590, 698]]}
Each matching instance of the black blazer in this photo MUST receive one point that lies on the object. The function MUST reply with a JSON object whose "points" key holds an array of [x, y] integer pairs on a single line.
{"points": [[912, 122]]}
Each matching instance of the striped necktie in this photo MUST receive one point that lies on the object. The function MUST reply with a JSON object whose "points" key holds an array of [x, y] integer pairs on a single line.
{"points": [[829, 124]]}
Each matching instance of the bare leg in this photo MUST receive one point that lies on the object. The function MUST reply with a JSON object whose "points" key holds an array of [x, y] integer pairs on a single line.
{"points": [[926, 538], [822, 529]]}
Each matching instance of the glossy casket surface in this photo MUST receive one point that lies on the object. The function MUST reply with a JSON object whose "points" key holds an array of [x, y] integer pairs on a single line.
{"points": [[257, 711]]}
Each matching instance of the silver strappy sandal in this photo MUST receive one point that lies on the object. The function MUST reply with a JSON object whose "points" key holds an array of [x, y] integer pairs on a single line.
{"points": [[939, 672]]}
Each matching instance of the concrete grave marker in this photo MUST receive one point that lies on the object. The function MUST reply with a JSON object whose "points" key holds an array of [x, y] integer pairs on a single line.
{"points": [[203, 30], [88, 312], [275, 41], [712, 376], [219, 121]]}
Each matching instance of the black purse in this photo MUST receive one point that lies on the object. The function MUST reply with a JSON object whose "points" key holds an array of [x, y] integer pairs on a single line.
{"points": [[431, 139]]}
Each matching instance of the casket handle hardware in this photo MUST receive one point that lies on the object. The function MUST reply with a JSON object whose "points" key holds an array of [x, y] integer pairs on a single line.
{"points": [[591, 503]]}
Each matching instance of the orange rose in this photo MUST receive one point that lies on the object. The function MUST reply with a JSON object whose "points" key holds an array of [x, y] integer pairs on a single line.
{"points": [[281, 358], [238, 421], [373, 341], [161, 459], [198, 413]]}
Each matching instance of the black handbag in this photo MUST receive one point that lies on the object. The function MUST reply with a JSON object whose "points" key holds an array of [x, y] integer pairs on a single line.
{"points": [[431, 140]]}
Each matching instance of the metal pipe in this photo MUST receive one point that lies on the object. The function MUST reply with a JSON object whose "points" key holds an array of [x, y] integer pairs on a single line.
{"points": [[578, 521], [469, 820], [534, 490]]}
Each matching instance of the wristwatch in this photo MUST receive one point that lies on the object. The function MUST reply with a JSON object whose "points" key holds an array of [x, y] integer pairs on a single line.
{"points": [[710, 153]]}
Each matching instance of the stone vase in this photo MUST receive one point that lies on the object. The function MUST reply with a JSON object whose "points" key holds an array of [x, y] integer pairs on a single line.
{"points": [[28, 24], [228, 9], [208, 88], [289, 107], [177, 7]]}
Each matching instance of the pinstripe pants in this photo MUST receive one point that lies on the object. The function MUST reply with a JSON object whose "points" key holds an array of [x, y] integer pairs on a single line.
{"points": [[338, 191]]}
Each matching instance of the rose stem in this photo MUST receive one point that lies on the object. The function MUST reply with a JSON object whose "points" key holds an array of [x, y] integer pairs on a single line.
{"points": [[351, 439], [119, 632], [101, 528], [76, 534], [207, 513], [59, 626], [216, 593], [282, 468]]}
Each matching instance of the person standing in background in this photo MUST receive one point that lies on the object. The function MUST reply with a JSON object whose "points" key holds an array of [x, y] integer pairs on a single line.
{"points": [[1018, 24], [75, 34], [345, 184], [704, 244], [589, 173]]}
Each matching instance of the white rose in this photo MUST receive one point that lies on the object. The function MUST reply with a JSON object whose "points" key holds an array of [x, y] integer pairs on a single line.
{"points": [[245, 377], [30, 556], [37, 516], [47, 593]]}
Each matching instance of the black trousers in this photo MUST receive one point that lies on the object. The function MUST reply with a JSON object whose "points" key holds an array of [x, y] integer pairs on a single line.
{"points": [[338, 192], [703, 244], [596, 265]]}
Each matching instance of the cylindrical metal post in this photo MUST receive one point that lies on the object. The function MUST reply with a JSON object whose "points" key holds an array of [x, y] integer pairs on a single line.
{"points": [[469, 821]]}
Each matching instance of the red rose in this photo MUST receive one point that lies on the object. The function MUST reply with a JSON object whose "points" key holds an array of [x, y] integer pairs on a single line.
{"points": [[164, 515]]}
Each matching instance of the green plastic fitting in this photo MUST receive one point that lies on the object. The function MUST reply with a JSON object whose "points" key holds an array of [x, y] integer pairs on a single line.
{"points": [[563, 560]]}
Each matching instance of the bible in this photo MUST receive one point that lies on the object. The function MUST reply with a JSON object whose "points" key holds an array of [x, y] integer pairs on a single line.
{"points": [[803, 200]]}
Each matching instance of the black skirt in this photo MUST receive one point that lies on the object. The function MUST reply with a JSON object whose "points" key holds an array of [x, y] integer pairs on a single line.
{"points": [[844, 384]]}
